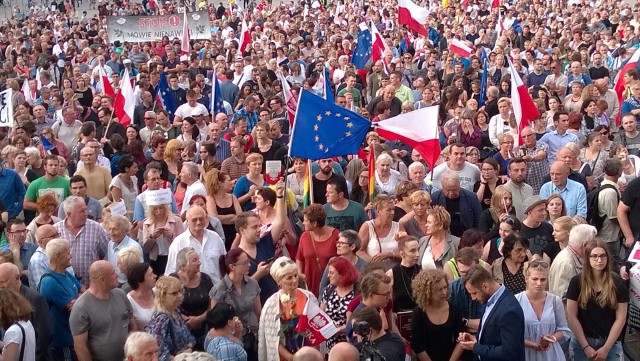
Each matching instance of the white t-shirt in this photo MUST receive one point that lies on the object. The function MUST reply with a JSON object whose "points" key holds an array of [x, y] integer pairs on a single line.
{"points": [[14, 335], [185, 110], [469, 175]]}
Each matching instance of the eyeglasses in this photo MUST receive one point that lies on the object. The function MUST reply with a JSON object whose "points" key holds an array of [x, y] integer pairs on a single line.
{"points": [[597, 257], [146, 118], [52, 236], [343, 243], [538, 264], [388, 294]]}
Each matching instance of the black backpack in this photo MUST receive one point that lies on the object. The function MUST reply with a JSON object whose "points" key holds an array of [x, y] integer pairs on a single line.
{"points": [[593, 212]]}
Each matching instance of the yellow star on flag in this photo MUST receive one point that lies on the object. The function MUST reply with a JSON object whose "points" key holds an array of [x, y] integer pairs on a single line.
{"points": [[328, 113], [349, 125], [348, 134], [338, 115], [319, 118], [317, 138], [320, 146], [346, 118], [315, 127]]}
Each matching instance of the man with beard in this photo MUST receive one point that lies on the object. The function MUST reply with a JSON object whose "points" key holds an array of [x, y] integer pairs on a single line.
{"points": [[321, 179], [50, 182], [517, 186]]}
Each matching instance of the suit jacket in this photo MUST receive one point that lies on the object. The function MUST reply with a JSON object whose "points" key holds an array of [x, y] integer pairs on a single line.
{"points": [[470, 208], [502, 333]]}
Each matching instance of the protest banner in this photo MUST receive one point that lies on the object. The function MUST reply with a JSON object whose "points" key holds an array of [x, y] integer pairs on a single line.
{"points": [[151, 28], [6, 109]]}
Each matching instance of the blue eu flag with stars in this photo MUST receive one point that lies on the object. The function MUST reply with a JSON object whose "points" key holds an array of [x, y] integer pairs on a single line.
{"points": [[325, 130], [362, 52], [168, 102], [217, 104], [483, 82]]}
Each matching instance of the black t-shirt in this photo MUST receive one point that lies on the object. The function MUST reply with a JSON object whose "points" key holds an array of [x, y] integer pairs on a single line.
{"points": [[453, 207], [597, 321], [552, 249], [391, 346], [320, 188], [538, 237], [438, 341], [598, 73], [631, 198]]}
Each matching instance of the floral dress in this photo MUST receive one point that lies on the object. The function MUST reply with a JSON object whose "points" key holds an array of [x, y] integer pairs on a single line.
{"points": [[336, 309], [172, 334]]}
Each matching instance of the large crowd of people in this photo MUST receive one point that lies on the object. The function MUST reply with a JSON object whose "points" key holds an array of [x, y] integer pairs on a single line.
{"points": [[167, 237]]}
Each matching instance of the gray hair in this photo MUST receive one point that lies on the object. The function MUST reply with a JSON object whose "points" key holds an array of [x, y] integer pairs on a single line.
{"points": [[134, 341], [54, 247], [415, 165], [123, 222], [194, 356], [450, 177], [70, 203], [384, 156], [493, 91], [352, 237], [181, 258], [32, 151], [192, 168], [582, 234]]}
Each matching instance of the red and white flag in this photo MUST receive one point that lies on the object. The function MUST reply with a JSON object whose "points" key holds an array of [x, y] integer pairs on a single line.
{"points": [[29, 94], [494, 4], [318, 325], [186, 36], [461, 48], [524, 109], [125, 101], [245, 37], [413, 15], [499, 24], [418, 129], [379, 46], [107, 89], [291, 101], [38, 82], [621, 84]]}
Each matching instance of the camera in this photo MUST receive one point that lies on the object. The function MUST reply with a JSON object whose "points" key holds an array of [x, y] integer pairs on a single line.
{"points": [[362, 328], [367, 350]]}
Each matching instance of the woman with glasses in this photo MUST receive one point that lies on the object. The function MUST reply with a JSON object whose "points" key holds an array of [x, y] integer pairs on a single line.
{"points": [[505, 152], [473, 156], [597, 301], [439, 245], [436, 323], [342, 277], [277, 338], [167, 324], [509, 269], [545, 321], [241, 292]]}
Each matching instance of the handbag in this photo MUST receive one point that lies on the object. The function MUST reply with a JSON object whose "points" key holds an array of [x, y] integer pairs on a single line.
{"points": [[249, 338]]}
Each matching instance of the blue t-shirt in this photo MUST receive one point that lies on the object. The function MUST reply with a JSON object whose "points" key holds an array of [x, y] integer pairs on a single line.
{"points": [[264, 250], [59, 289], [241, 188]]}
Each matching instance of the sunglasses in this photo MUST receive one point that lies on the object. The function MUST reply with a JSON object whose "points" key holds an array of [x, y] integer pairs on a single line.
{"points": [[538, 264]]}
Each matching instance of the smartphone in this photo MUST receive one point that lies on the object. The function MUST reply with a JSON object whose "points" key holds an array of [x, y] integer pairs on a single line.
{"points": [[270, 260], [549, 339]]}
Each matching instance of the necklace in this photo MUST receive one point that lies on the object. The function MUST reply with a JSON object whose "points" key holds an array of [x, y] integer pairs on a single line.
{"points": [[404, 274]]}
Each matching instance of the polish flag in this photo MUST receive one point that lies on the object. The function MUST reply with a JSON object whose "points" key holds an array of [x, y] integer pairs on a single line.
{"points": [[29, 94], [412, 15], [524, 108], [291, 101], [316, 323], [245, 37], [379, 46], [125, 101], [107, 89], [418, 129], [186, 36], [461, 48], [495, 3], [38, 82], [499, 24], [621, 84]]}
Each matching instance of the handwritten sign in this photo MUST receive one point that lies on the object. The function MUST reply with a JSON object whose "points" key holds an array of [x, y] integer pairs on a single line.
{"points": [[634, 285], [6, 109], [634, 256], [158, 197], [118, 209]]}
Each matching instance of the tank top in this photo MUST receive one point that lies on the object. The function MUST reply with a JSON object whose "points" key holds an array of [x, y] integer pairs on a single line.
{"points": [[386, 244], [228, 229], [402, 292], [140, 314]]}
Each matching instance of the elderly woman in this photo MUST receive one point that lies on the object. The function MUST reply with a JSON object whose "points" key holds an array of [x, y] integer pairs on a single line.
{"points": [[246, 185], [439, 245], [142, 280], [509, 269], [404, 273], [243, 293], [221, 203], [47, 205], [342, 279], [126, 258], [158, 231], [386, 178], [20, 336], [223, 340], [378, 235], [124, 186], [8, 153], [196, 301], [167, 324], [435, 317], [414, 223], [317, 245], [277, 338]]}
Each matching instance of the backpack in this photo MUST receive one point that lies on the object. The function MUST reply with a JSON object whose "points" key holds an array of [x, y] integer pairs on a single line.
{"points": [[593, 212]]}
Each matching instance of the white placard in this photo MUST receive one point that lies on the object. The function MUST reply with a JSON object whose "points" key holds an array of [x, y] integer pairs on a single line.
{"points": [[6, 109], [158, 197], [634, 256], [273, 170], [634, 285], [118, 209]]}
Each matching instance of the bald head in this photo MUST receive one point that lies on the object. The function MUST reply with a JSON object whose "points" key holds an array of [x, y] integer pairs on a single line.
{"points": [[559, 172], [9, 277], [308, 354], [44, 234], [99, 269], [344, 351]]}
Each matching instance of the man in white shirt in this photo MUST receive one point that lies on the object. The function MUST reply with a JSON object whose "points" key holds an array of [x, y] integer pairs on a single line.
{"points": [[469, 174], [186, 109], [189, 175], [206, 243]]}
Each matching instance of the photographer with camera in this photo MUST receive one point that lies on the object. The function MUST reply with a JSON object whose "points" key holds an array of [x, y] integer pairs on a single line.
{"points": [[374, 343]]}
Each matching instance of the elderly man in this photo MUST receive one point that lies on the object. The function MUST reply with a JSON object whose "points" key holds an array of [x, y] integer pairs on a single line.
{"points": [[417, 175], [22, 251], [190, 175], [39, 264], [50, 182], [308, 354], [344, 351], [67, 130], [468, 173], [572, 192], [568, 263], [118, 228], [87, 239], [98, 178], [214, 131], [79, 189], [388, 95], [535, 154], [10, 279], [141, 346], [568, 156], [102, 317], [149, 126], [609, 96], [462, 205], [557, 139], [342, 213], [516, 184], [60, 289], [207, 243]]}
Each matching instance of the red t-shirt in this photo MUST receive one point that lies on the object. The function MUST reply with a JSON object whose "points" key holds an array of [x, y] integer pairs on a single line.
{"points": [[310, 256]]}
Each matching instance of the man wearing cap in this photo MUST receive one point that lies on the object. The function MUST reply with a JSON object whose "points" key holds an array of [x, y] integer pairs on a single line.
{"points": [[573, 193], [534, 228], [199, 115]]}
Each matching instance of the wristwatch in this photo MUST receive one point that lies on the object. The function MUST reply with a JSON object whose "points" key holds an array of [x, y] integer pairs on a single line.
{"points": [[465, 322]]}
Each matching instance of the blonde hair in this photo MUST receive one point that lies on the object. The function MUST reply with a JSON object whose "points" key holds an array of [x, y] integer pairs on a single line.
{"points": [[424, 285], [565, 223], [420, 196], [164, 286], [254, 157], [170, 150], [440, 216], [496, 199], [127, 257]]}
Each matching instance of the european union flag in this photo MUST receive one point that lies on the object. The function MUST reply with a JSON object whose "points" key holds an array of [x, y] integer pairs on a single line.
{"points": [[362, 52], [325, 130], [328, 91], [483, 83], [168, 102], [217, 104], [46, 144]]}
